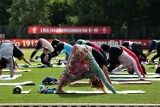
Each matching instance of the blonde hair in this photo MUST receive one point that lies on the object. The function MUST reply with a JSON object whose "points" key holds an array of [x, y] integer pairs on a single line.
{"points": [[100, 86]]}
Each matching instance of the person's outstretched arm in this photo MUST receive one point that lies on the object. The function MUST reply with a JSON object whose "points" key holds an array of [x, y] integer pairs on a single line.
{"points": [[25, 60], [105, 81], [105, 71]]}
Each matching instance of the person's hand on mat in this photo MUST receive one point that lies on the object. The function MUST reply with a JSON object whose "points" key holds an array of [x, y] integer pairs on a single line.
{"points": [[142, 79], [30, 63], [31, 60]]}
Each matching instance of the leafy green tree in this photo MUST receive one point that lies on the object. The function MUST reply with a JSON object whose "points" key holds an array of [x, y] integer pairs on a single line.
{"points": [[29, 12], [4, 15], [24, 13], [58, 12], [129, 19], [129, 15]]}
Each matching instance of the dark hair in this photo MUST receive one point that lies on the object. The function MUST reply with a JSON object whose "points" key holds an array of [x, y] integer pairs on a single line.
{"points": [[96, 83], [105, 47], [126, 44], [3, 63], [59, 47], [79, 41], [55, 42], [17, 52]]}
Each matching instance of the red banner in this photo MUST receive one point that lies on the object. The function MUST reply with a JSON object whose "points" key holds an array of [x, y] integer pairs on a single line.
{"points": [[31, 43], [69, 30], [145, 43], [27, 43]]}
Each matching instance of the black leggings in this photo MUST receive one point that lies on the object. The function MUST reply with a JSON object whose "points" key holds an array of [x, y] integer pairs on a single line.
{"points": [[158, 52], [17, 52], [152, 46], [99, 58]]}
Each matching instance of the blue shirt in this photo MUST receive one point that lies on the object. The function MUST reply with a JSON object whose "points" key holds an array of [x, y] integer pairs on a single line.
{"points": [[67, 48]]}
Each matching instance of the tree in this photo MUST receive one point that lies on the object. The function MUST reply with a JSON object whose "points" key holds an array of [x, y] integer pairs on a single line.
{"points": [[59, 10], [29, 12], [129, 19], [4, 16], [25, 13]]}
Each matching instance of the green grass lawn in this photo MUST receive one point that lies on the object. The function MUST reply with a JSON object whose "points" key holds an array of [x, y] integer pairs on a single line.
{"points": [[152, 95]]}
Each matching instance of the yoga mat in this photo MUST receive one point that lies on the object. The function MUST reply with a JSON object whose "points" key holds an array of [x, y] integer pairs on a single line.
{"points": [[19, 70], [135, 79], [7, 77], [108, 92], [126, 73], [40, 66], [132, 82], [16, 84], [134, 76], [53, 59], [114, 82], [32, 66], [19, 90]]}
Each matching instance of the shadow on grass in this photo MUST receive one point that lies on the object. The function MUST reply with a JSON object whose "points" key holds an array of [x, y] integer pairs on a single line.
{"points": [[76, 95], [79, 85], [151, 67]]}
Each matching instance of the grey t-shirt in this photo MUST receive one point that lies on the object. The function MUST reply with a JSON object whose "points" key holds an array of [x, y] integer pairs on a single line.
{"points": [[6, 51]]}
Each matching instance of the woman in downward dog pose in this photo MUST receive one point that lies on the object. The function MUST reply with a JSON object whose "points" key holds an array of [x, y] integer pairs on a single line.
{"points": [[42, 43], [136, 48], [8, 50], [124, 56], [81, 64], [46, 57], [154, 48], [62, 48]]}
